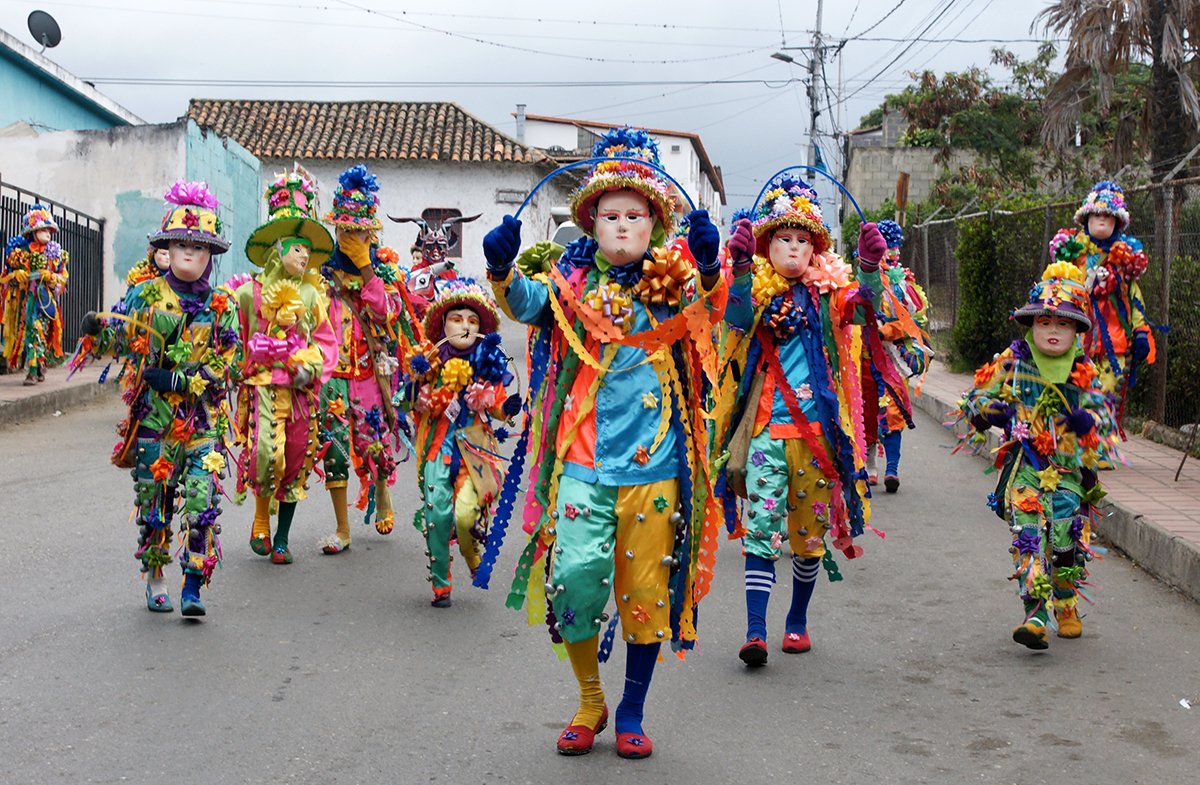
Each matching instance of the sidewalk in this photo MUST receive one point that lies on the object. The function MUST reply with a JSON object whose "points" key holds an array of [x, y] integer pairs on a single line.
{"points": [[1151, 518], [19, 403]]}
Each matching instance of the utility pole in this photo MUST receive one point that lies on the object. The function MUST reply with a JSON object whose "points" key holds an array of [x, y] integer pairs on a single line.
{"points": [[814, 59]]}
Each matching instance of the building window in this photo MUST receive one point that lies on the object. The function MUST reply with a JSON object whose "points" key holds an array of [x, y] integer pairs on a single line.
{"points": [[435, 216], [675, 148]]}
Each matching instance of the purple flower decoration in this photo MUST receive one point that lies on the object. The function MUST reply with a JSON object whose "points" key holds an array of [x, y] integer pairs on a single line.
{"points": [[193, 193], [568, 616], [1020, 349], [207, 517], [1027, 541], [758, 458], [769, 504], [820, 508], [191, 305], [1076, 530]]}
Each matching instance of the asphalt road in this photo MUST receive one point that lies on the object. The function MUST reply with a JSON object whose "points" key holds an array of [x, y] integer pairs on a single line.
{"points": [[336, 670]]}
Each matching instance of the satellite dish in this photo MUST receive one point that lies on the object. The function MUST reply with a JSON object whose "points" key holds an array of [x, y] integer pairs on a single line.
{"points": [[44, 29]]}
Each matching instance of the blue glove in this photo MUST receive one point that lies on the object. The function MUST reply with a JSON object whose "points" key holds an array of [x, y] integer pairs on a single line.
{"points": [[1079, 422], [704, 240], [1141, 346], [500, 246], [512, 405], [162, 380]]}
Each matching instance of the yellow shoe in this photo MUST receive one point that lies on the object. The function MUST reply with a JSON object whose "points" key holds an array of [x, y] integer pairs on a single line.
{"points": [[386, 523], [1031, 634], [1069, 624]]}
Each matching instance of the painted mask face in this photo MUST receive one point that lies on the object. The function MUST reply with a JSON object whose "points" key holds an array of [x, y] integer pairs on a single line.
{"points": [[790, 251], [1054, 336], [189, 259], [462, 327], [162, 259], [43, 236], [624, 223], [295, 257], [1101, 227]]}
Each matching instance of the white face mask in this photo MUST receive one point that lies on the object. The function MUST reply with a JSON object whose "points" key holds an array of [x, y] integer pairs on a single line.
{"points": [[189, 260], [462, 327], [1054, 336], [1101, 227], [295, 261], [624, 223], [791, 251]]}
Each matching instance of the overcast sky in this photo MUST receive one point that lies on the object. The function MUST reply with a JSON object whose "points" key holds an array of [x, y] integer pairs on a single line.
{"points": [[750, 129]]}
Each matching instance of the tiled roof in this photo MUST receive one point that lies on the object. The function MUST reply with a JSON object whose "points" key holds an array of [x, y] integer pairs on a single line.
{"points": [[359, 130]]}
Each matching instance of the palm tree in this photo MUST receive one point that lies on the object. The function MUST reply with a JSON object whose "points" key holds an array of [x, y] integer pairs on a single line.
{"points": [[1104, 37]]}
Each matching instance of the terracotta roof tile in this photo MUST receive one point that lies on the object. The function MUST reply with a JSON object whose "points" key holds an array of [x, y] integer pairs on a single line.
{"points": [[360, 130]]}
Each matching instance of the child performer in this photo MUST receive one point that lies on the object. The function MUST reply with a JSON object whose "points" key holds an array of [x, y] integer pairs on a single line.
{"points": [[620, 497], [32, 282], [797, 454], [1058, 425], [460, 389], [290, 352]]}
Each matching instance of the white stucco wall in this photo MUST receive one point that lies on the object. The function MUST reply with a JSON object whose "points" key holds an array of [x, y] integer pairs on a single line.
{"points": [[408, 187]]}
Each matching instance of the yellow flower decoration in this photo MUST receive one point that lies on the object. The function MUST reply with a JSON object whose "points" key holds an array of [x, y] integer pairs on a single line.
{"points": [[457, 373], [213, 462], [802, 204], [281, 303], [767, 283], [1048, 478], [198, 385], [1063, 270]]}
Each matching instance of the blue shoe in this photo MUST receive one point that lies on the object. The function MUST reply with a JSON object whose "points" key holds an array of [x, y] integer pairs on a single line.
{"points": [[189, 599], [159, 603]]}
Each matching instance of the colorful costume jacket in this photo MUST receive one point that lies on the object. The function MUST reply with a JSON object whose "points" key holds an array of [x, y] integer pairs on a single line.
{"points": [[175, 441], [356, 409], [802, 341], [277, 420], [619, 359], [1048, 480], [903, 324], [32, 283], [458, 460]]}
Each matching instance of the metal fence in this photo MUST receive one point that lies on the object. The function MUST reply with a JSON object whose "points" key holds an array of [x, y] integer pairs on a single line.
{"points": [[1167, 221], [81, 235]]}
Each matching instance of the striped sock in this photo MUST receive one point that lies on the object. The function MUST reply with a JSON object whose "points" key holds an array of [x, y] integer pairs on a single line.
{"points": [[804, 580], [760, 577]]}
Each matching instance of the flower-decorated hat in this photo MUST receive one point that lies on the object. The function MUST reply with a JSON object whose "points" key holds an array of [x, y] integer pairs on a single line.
{"points": [[191, 215], [291, 212], [1059, 293], [789, 202], [893, 235], [38, 217], [1105, 198], [355, 200], [460, 293], [629, 149]]}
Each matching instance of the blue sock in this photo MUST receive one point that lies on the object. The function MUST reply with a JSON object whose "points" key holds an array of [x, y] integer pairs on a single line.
{"points": [[191, 587], [640, 659], [891, 449], [760, 577], [804, 580]]}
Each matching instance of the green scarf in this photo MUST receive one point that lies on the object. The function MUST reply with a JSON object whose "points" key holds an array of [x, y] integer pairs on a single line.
{"points": [[1053, 369]]}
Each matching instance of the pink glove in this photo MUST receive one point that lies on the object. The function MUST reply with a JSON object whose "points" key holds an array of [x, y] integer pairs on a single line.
{"points": [[741, 244], [871, 247]]}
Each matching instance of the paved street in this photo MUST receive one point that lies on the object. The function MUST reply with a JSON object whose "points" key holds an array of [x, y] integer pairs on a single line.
{"points": [[335, 669]]}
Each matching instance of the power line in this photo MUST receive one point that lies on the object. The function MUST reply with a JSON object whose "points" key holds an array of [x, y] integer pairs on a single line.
{"points": [[895, 8], [719, 80], [198, 82]]}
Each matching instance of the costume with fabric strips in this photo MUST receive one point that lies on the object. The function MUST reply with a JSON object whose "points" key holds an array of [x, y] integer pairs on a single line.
{"points": [[289, 353], [1120, 338], [375, 324], [179, 337], [1044, 392], [32, 283], [796, 450], [619, 492], [459, 388], [903, 323]]}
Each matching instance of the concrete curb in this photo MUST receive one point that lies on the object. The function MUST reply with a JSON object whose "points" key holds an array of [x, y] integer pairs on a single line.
{"points": [[1168, 557], [37, 405]]}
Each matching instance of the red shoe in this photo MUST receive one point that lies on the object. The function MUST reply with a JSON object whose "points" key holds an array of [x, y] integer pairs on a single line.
{"points": [[796, 643], [578, 739], [754, 652], [634, 745]]}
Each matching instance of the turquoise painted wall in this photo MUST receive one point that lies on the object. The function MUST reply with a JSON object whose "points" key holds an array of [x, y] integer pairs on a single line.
{"points": [[140, 215], [234, 176], [43, 102]]}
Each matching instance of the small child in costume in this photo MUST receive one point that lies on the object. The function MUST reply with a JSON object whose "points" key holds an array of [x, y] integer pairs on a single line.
{"points": [[289, 353], [620, 498], [797, 452], [460, 389], [32, 283], [156, 262], [1120, 339], [377, 331], [1058, 425], [180, 337], [903, 321]]}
